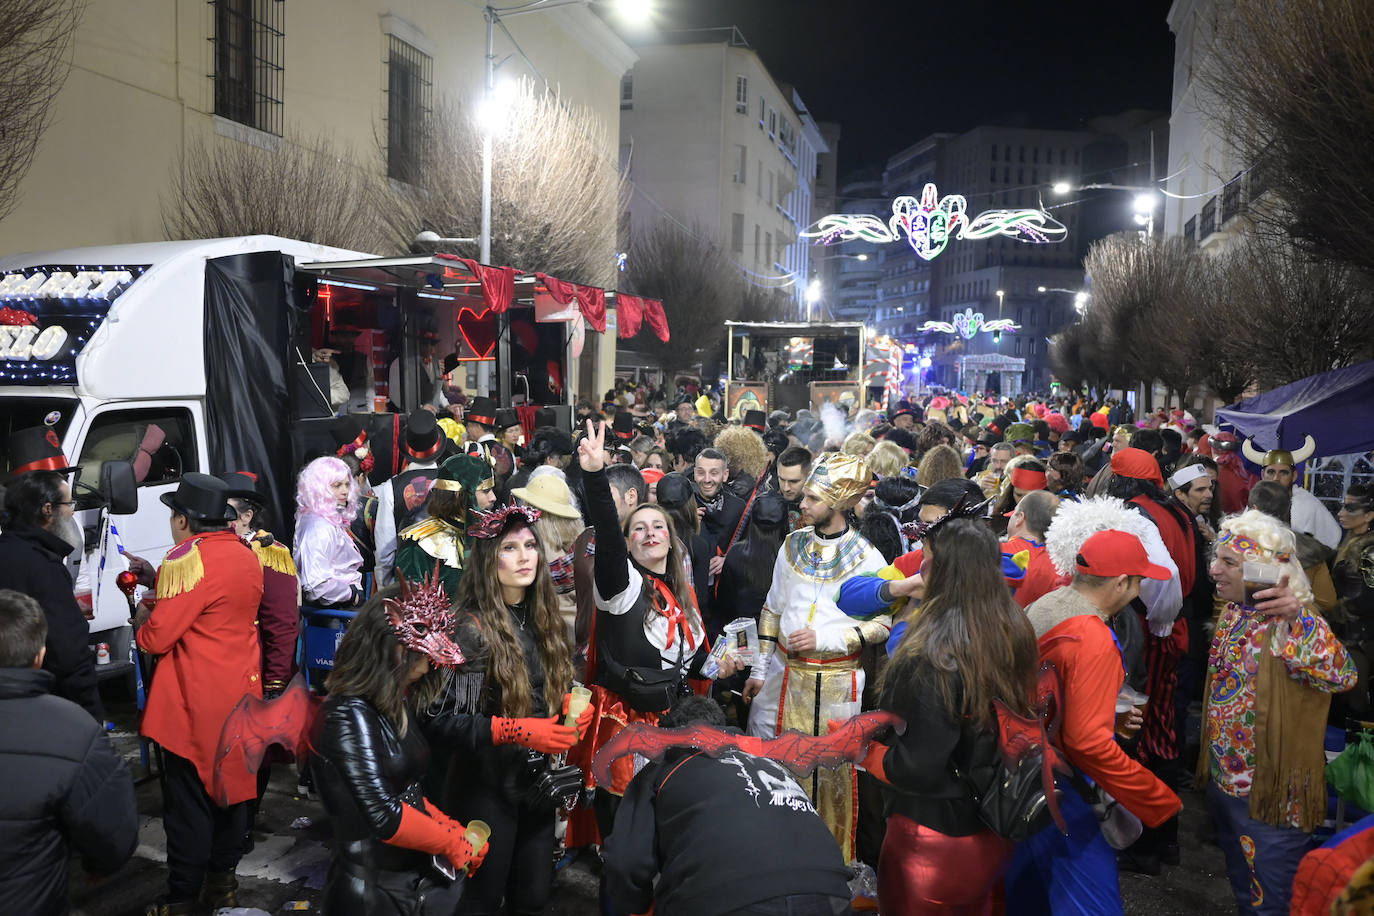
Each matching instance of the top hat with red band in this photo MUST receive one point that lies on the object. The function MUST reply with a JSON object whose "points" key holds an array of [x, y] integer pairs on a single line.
{"points": [[36, 449], [424, 438], [623, 425], [481, 410], [242, 485], [755, 420], [506, 417]]}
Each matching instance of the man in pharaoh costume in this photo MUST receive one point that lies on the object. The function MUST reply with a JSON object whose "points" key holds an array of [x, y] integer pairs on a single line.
{"points": [[810, 666]]}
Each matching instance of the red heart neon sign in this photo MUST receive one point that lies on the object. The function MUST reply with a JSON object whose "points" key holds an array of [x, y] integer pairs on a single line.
{"points": [[479, 331]]}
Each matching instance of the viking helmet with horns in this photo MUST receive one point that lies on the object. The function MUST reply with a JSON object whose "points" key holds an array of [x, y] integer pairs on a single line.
{"points": [[1279, 455]]}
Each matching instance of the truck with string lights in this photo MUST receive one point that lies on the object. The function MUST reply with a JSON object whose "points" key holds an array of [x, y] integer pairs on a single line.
{"points": [[143, 362], [790, 365]]}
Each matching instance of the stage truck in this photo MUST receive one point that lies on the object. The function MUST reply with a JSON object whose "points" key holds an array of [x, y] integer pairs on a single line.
{"points": [[255, 354], [796, 364]]}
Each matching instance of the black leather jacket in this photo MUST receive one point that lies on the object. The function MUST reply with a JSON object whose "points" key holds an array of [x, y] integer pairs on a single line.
{"points": [[365, 771]]}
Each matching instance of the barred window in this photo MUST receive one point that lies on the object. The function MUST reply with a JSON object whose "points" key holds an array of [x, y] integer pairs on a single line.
{"points": [[410, 74], [249, 74]]}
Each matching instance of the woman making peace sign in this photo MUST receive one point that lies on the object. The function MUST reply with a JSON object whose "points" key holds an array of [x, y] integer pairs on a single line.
{"points": [[648, 635]]}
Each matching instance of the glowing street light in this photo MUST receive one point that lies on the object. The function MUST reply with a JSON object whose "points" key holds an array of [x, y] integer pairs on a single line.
{"points": [[1061, 187]]}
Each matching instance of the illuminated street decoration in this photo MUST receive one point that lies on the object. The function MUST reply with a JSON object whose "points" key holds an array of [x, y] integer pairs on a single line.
{"points": [[930, 223], [968, 323]]}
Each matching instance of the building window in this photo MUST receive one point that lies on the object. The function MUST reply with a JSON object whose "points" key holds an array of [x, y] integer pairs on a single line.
{"points": [[768, 248], [627, 92], [1018, 346], [740, 168], [994, 152], [742, 94], [408, 94], [758, 185], [770, 187], [772, 122], [737, 233], [757, 249], [992, 176], [762, 106], [249, 48]]}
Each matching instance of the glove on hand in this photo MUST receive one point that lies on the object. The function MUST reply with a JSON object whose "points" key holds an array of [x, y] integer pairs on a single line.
{"points": [[543, 735]]}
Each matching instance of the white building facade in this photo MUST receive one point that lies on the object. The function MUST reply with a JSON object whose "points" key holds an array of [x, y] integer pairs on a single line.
{"points": [[718, 147]]}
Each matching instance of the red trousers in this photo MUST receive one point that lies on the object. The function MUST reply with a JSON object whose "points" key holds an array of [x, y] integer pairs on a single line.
{"points": [[924, 871]]}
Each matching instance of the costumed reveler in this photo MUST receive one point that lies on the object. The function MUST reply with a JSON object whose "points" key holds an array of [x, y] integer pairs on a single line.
{"points": [[328, 563], [810, 667], [647, 636], [494, 721], [369, 757], [1273, 666], [1353, 573], [969, 645], [463, 488]]}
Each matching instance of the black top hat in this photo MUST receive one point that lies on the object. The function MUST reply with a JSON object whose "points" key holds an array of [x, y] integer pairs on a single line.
{"points": [[904, 409], [507, 417], [545, 416], [344, 430], [201, 497], [481, 410], [674, 490], [989, 438], [424, 438], [242, 485], [623, 425], [36, 449], [450, 363], [755, 419]]}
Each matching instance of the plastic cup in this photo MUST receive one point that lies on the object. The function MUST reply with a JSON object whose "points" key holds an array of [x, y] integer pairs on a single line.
{"points": [[579, 701], [477, 833]]}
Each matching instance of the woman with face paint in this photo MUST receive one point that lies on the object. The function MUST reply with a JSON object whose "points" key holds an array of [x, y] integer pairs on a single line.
{"points": [[648, 635]]}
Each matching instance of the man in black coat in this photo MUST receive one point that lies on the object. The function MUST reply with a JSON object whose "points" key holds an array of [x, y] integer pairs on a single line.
{"points": [[725, 835], [62, 786], [38, 505]]}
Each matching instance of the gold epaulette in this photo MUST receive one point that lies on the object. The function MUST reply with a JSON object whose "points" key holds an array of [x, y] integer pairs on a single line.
{"points": [[181, 569], [423, 529], [274, 556]]}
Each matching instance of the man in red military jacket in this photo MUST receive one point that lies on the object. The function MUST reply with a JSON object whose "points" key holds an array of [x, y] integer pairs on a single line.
{"points": [[203, 631]]}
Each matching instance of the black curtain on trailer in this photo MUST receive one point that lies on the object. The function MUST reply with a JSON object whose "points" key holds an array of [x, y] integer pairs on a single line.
{"points": [[248, 349]]}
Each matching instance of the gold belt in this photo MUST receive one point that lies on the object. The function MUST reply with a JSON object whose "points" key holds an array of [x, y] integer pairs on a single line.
{"points": [[802, 662]]}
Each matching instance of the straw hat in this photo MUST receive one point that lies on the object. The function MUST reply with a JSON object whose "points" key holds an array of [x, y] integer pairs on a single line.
{"points": [[548, 494]]}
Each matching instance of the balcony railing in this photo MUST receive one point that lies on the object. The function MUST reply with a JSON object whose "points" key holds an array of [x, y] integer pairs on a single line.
{"points": [[1207, 223]]}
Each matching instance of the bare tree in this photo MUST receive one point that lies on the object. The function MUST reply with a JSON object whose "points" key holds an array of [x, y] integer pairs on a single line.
{"points": [[307, 189], [1291, 315], [557, 191], [699, 288], [1143, 310], [1291, 87], [34, 38]]}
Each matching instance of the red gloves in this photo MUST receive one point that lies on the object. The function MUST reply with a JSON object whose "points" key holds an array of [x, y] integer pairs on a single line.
{"points": [[436, 834], [543, 735]]}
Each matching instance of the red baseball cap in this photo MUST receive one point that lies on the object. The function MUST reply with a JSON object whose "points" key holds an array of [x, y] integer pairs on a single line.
{"points": [[1117, 553]]}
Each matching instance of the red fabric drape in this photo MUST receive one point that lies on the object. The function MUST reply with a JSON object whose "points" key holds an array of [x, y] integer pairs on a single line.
{"points": [[653, 313], [629, 313], [526, 414], [498, 283], [591, 300]]}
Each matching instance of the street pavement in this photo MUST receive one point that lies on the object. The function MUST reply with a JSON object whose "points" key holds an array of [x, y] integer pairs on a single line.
{"points": [[286, 870]]}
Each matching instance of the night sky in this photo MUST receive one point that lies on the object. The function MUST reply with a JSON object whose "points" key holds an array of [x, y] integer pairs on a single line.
{"points": [[892, 72]]}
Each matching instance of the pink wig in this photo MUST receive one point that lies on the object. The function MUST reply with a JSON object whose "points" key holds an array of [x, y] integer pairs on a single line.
{"points": [[313, 496]]}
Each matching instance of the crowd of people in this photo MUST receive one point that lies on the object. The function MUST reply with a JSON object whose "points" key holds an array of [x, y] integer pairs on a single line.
{"points": [[514, 598]]}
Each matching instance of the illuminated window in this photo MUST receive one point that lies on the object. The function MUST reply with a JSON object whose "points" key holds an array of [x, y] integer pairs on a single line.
{"points": [[408, 102], [249, 47]]}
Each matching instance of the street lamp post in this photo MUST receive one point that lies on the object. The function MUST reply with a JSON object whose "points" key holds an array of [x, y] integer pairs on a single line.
{"points": [[1146, 200], [493, 16]]}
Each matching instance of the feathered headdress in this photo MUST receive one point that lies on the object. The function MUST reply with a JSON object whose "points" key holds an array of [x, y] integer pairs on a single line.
{"points": [[1075, 522], [493, 523]]}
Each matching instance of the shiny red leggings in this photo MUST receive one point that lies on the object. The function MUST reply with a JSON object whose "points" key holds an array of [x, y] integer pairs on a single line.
{"points": [[923, 871]]}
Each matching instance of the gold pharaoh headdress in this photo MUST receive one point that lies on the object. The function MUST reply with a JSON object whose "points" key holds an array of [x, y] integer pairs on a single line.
{"points": [[839, 480]]}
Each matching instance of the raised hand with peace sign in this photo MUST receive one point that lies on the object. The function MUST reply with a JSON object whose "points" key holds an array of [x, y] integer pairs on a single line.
{"points": [[591, 451]]}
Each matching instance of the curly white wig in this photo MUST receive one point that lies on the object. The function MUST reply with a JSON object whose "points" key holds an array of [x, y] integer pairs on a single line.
{"points": [[1075, 522], [1269, 541]]}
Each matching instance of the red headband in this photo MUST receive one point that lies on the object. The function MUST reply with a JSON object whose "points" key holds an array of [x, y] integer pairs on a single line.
{"points": [[1027, 479]]}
